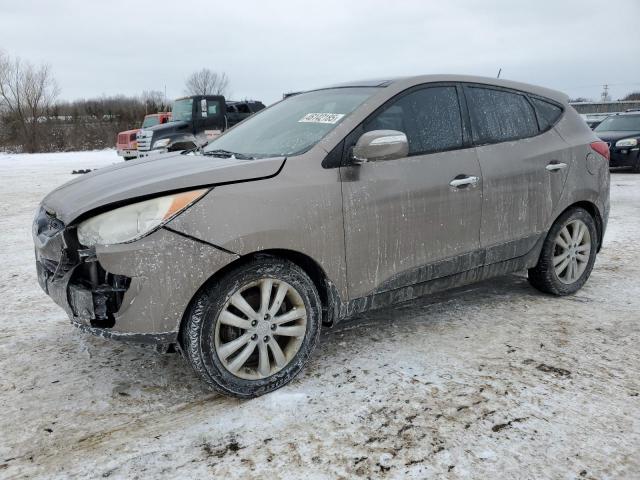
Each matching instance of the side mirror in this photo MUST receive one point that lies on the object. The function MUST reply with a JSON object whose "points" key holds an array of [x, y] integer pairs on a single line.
{"points": [[380, 145]]}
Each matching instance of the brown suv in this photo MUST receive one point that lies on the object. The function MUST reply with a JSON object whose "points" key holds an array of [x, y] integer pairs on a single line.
{"points": [[326, 204]]}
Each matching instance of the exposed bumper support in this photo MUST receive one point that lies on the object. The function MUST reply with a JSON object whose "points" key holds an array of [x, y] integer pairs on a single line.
{"points": [[135, 292]]}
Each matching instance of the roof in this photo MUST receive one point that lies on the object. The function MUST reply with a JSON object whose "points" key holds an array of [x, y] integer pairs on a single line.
{"points": [[407, 82]]}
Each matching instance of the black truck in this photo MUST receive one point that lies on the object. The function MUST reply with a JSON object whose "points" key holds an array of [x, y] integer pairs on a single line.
{"points": [[194, 122]]}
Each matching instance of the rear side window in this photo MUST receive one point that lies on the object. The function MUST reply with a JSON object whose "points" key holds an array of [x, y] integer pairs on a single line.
{"points": [[548, 113], [498, 116], [243, 108], [430, 117]]}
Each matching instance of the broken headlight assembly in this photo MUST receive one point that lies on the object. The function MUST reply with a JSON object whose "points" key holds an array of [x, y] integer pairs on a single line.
{"points": [[134, 221]]}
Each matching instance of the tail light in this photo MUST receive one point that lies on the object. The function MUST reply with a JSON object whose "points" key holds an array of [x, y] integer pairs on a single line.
{"points": [[602, 148]]}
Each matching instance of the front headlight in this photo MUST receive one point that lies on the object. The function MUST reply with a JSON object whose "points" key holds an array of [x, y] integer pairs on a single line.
{"points": [[134, 221], [627, 142], [161, 143]]}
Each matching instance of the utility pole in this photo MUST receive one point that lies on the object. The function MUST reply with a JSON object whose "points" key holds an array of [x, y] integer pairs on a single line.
{"points": [[605, 93]]}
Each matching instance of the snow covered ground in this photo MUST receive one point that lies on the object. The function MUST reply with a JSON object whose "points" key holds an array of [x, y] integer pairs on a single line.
{"points": [[490, 381]]}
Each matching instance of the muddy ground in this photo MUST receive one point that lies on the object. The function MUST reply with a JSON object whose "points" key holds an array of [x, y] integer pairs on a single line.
{"points": [[490, 381]]}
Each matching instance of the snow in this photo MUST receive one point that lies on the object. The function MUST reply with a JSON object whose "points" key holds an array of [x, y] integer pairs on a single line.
{"points": [[471, 383]]}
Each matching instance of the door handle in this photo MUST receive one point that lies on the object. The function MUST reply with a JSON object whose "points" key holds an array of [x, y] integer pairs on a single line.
{"points": [[461, 182], [552, 167]]}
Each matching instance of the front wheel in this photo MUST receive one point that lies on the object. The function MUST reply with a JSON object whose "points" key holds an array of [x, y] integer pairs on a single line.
{"points": [[254, 329], [568, 254]]}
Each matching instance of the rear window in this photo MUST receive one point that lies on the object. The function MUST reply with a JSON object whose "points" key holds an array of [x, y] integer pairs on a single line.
{"points": [[548, 113], [499, 116]]}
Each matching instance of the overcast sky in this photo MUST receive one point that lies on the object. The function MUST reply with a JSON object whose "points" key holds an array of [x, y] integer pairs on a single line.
{"points": [[270, 47]]}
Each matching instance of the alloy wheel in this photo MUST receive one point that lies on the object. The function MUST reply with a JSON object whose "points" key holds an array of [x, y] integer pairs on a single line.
{"points": [[572, 250], [260, 329]]}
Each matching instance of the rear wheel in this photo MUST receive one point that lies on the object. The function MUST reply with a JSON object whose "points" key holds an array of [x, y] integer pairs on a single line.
{"points": [[253, 330], [568, 254]]}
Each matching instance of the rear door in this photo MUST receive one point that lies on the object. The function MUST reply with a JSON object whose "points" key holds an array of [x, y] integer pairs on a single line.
{"points": [[402, 216], [523, 170]]}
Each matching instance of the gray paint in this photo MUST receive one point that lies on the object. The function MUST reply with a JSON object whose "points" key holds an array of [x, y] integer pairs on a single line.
{"points": [[381, 232], [150, 176]]}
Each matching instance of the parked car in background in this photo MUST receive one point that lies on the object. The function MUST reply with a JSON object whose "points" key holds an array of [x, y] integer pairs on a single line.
{"points": [[621, 132], [327, 204], [126, 144], [594, 119], [196, 121]]}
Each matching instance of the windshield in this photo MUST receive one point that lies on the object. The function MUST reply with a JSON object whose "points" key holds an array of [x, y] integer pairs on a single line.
{"points": [[293, 125], [620, 123], [150, 121], [182, 110]]}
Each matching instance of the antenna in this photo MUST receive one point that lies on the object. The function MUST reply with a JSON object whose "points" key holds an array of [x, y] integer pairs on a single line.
{"points": [[499, 72]]}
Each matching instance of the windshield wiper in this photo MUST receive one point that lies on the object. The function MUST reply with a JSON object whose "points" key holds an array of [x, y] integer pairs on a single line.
{"points": [[227, 154]]}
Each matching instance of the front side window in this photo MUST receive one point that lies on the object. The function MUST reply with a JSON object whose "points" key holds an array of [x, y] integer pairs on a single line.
{"points": [[182, 110], [294, 125], [499, 116], [429, 117], [620, 123]]}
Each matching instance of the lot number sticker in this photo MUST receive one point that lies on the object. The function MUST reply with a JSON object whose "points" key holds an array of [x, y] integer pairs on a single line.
{"points": [[321, 118]]}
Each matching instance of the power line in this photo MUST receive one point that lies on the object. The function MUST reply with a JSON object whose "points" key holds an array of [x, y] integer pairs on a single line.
{"points": [[600, 85]]}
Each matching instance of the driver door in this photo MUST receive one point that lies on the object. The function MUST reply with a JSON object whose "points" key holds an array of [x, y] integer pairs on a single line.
{"points": [[405, 222]]}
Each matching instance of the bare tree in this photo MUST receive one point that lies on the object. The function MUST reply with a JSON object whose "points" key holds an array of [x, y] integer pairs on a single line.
{"points": [[27, 93], [154, 101], [632, 96], [207, 82]]}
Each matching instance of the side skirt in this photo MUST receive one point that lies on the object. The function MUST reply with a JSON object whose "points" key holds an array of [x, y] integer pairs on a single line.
{"points": [[381, 299]]}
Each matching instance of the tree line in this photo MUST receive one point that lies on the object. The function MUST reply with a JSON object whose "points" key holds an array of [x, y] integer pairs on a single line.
{"points": [[33, 119]]}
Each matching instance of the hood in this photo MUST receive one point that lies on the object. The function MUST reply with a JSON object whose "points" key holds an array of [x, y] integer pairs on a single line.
{"points": [[614, 135], [135, 130], [168, 127], [126, 181]]}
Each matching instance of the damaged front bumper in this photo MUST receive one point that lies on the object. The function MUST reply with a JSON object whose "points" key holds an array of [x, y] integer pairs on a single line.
{"points": [[136, 292]]}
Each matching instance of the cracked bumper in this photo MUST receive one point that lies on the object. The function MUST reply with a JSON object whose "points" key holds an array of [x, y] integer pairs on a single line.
{"points": [[163, 270]]}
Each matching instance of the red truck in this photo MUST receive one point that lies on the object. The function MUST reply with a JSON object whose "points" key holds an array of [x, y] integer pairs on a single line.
{"points": [[126, 141]]}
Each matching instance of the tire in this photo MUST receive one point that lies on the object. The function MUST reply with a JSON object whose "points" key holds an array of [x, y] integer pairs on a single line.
{"points": [[636, 167], [550, 278], [214, 323]]}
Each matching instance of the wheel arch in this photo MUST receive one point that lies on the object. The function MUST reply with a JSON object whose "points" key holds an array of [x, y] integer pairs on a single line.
{"points": [[329, 296], [594, 211]]}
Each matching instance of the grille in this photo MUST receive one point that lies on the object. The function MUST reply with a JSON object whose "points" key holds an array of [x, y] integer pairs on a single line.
{"points": [[144, 140]]}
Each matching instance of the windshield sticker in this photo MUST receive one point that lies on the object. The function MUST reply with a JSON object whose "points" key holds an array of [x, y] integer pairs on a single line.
{"points": [[321, 118]]}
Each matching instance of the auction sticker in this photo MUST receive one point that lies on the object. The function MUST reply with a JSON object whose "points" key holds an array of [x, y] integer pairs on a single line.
{"points": [[321, 118]]}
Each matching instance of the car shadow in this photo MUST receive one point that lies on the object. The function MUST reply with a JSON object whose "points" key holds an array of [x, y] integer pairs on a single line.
{"points": [[144, 366]]}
